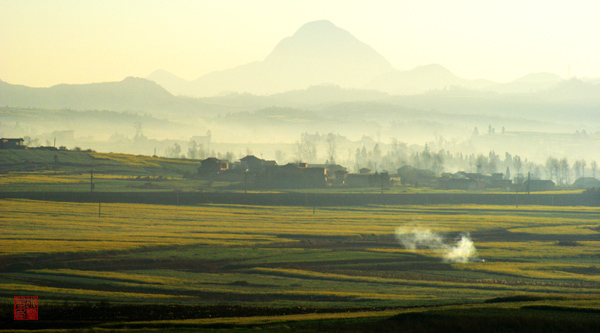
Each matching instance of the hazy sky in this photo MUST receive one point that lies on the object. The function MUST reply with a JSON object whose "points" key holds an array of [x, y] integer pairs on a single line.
{"points": [[47, 42]]}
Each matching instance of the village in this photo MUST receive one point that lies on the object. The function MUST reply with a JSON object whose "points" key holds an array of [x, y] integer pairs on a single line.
{"points": [[261, 173], [258, 173]]}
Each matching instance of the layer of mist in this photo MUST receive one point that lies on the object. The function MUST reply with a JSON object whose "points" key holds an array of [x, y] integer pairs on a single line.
{"points": [[328, 83]]}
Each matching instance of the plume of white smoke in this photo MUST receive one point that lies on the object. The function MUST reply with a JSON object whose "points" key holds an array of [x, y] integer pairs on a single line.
{"points": [[414, 238], [464, 251]]}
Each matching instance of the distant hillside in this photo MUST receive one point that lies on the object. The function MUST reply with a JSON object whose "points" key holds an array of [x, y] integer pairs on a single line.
{"points": [[420, 80], [326, 94], [530, 83], [573, 102], [311, 97], [318, 53], [131, 94], [170, 82]]}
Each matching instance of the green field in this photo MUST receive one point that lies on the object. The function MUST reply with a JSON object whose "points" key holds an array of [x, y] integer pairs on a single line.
{"points": [[306, 267], [256, 256]]}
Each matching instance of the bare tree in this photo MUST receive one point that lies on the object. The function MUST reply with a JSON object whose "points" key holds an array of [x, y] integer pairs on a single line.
{"points": [[192, 150], [565, 171], [577, 169], [139, 129], [425, 158], [174, 151], [593, 166], [331, 147], [376, 155], [494, 161], [552, 168], [399, 153], [518, 164], [31, 142], [438, 162], [481, 162], [306, 148]]}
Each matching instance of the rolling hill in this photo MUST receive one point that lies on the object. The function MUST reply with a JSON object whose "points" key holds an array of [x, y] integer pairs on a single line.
{"points": [[131, 94]]}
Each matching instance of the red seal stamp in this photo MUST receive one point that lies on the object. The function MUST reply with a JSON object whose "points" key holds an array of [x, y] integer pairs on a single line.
{"points": [[26, 308]]}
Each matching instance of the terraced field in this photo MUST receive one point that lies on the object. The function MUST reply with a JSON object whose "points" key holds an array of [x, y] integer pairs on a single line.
{"points": [[292, 256]]}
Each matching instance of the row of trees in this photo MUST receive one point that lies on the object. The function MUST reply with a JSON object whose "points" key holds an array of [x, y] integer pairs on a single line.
{"points": [[560, 171], [400, 154], [306, 147]]}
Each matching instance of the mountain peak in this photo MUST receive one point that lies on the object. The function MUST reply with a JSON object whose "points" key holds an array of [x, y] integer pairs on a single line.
{"points": [[318, 27], [320, 38], [318, 53]]}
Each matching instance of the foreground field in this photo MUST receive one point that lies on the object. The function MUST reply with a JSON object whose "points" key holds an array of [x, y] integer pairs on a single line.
{"points": [[296, 257]]}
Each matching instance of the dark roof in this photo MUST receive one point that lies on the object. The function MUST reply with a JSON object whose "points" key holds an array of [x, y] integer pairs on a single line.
{"points": [[408, 170], [211, 160], [587, 182], [250, 158]]}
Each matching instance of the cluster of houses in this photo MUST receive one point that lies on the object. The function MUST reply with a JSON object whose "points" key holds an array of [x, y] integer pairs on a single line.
{"points": [[470, 181], [267, 174]]}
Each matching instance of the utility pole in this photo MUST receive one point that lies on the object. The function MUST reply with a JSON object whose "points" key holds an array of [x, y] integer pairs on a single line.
{"points": [[91, 180], [245, 181]]}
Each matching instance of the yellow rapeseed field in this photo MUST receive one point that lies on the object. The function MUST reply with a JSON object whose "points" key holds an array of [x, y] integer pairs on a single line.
{"points": [[287, 255]]}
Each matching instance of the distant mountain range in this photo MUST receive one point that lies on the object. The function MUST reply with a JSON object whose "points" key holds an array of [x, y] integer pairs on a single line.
{"points": [[320, 53], [319, 66]]}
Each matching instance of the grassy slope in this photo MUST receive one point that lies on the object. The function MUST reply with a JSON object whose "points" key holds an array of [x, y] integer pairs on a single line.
{"points": [[72, 161], [36, 170]]}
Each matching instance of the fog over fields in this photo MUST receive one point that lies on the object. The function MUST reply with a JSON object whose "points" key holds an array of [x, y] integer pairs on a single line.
{"points": [[319, 80]]}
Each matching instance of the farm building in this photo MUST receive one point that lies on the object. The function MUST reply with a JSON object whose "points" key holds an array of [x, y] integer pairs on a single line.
{"points": [[587, 183], [6, 143], [292, 175], [254, 164], [417, 177], [535, 185], [212, 166]]}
